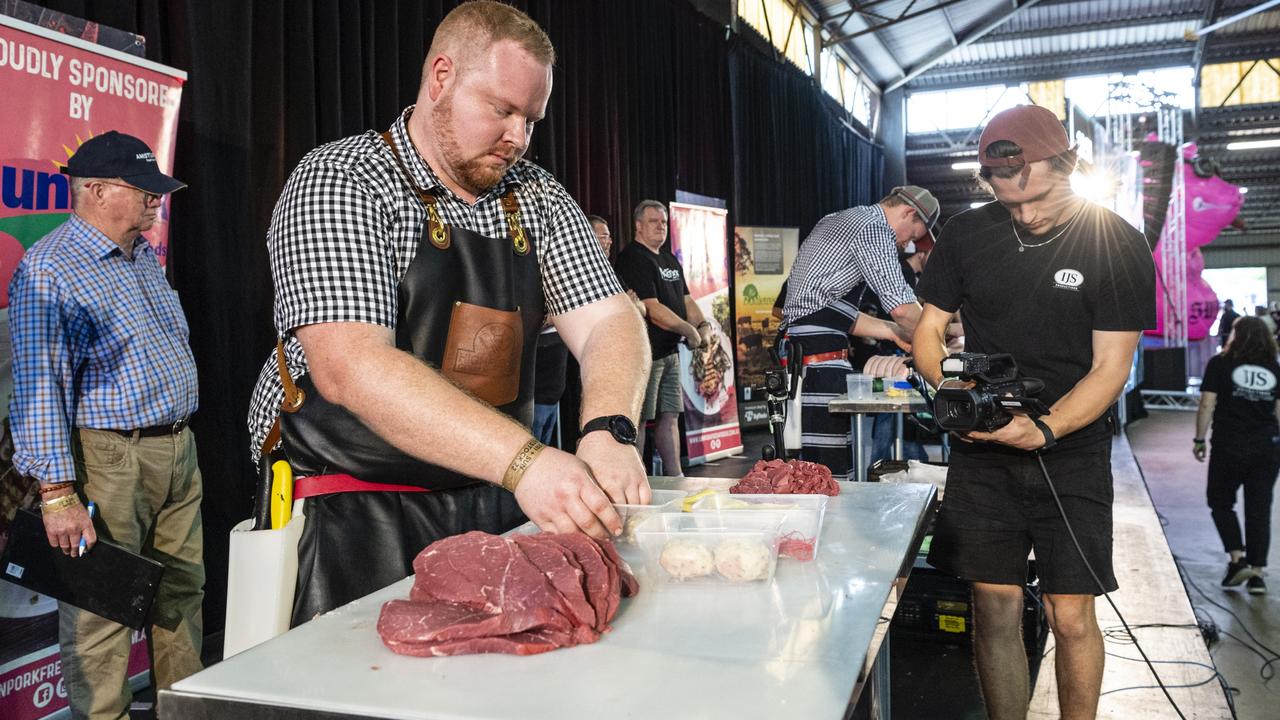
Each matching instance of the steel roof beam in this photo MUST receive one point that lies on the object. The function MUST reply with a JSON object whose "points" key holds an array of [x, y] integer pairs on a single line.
{"points": [[941, 54], [901, 18], [853, 9], [1197, 59]]}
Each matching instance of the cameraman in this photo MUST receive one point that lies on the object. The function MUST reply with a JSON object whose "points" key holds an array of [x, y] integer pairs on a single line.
{"points": [[1066, 287]]}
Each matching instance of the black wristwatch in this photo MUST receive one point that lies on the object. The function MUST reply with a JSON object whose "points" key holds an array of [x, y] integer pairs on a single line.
{"points": [[1049, 439], [619, 426]]}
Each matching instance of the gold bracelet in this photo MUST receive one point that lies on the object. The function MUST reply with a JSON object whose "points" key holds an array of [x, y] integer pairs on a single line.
{"points": [[520, 463], [56, 505]]}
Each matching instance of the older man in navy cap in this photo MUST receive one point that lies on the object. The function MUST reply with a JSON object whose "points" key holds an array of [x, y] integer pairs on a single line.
{"points": [[104, 383], [1066, 287]]}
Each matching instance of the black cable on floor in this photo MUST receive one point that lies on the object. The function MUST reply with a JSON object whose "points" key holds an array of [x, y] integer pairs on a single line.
{"points": [[1186, 577], [1101, 588]]}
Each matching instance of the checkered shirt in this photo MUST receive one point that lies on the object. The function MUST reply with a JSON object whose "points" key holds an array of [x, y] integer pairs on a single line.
{"points": [[99, 341], [844, 249], [347, 226]]}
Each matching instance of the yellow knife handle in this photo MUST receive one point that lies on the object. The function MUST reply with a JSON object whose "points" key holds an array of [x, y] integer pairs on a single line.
{"points": [[281, 494]]}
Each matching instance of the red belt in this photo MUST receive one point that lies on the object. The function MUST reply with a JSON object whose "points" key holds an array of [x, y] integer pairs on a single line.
{"points": [[311, 486], [821, 357]]}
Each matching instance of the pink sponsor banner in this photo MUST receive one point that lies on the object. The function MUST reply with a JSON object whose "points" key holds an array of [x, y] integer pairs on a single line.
{"points": [[699, 238], [32, 687], [70, 90]]}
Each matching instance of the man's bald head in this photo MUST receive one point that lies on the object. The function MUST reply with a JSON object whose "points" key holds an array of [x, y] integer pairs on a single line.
{"points": [[472, 28]]}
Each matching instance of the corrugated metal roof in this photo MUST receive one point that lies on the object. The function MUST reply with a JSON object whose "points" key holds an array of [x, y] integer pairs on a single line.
{"points": [[1048, 15], [997, 50]]}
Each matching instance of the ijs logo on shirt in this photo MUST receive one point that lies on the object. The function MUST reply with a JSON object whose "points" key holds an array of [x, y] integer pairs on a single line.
{"points": [[1253, 382], [669, 274], [1068, 279]]}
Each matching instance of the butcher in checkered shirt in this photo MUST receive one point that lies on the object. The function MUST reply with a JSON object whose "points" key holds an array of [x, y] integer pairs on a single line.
{"points": [[412, 270]]}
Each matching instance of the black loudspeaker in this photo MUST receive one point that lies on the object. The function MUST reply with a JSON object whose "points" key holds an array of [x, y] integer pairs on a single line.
{"points": [[1164, 369]]}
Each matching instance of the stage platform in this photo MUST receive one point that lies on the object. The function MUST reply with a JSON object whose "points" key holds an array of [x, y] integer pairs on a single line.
{"points": [[1151, 593]]}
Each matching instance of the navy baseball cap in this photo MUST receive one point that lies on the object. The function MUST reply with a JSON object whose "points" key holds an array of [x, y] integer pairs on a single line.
{"points": [[113, 154]]}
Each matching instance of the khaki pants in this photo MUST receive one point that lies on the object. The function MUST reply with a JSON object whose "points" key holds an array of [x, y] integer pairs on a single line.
{"points": [[148, 495]]}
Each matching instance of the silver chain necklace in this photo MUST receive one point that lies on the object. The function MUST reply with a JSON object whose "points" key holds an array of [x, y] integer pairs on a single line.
{"points": [[1022, 247]]}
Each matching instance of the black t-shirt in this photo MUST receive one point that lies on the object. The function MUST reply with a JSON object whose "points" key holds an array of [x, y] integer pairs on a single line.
{"points": [[655, 275], [1247, 395], [1225, 322], [1042, 304]]}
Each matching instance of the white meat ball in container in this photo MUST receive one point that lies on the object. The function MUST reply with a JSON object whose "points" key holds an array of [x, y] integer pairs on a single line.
{"points": [[742, 559], [685, 558]]}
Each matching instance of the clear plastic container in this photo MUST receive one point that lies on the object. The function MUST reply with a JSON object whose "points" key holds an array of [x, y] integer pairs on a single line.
{"points": [[633, 515], [801, 527], [710, 548]]}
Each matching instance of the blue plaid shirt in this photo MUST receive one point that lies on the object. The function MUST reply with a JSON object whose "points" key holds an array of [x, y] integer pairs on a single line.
{"points": [[99, 341]]}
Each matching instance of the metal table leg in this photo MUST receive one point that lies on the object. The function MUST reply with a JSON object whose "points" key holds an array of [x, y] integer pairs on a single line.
{"points": [[881, 709], [897, 439], [859, 462]]}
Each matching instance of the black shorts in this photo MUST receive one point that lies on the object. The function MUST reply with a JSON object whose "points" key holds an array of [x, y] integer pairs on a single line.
{"points": [[996, 509]]}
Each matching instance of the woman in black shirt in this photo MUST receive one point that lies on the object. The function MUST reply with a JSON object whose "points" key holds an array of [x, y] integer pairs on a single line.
{"points": [[1240, 393]]}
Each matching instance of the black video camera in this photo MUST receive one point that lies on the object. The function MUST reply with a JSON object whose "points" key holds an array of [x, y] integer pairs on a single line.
{"points": [[988, 405]]}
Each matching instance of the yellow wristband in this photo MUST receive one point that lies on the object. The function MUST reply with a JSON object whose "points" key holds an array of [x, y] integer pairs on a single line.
{"points": [[520, 463], [59, 504]]}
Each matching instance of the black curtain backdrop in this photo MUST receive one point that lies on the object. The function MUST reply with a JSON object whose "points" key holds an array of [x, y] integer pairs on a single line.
{"points": [[649, 97], [794, 160]]}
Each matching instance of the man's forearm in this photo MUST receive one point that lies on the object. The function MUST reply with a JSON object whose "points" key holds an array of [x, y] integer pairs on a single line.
{"points": [[615, 366], [928, 349], [1086, 402], [1204, 414], [413, 407], [907, 315], [663, 317]]}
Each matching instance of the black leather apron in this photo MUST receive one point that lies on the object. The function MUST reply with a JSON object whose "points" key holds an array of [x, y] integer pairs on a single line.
{"points": [[454, 270], [470, 306]]}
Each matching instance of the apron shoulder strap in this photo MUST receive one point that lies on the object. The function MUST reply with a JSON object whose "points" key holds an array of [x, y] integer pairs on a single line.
{"points": [[511, 208], [294, 396], [437, 231]]}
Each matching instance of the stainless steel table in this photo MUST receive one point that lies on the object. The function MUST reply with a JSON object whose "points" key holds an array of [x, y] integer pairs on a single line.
{"points": [[878, 403], [802, 647]]}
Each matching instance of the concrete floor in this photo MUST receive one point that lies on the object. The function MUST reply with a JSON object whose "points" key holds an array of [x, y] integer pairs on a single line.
{"points": [[1162, 446]]}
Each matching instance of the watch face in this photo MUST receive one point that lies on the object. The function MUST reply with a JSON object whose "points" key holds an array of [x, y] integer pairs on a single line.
{"points": [[622, 429]]}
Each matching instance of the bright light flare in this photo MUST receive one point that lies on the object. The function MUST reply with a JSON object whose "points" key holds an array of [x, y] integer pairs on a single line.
{"points": [[1252, 144]]}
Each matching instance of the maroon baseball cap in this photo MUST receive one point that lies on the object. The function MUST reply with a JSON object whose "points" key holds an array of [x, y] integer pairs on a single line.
{"points": [[1034, 129]]}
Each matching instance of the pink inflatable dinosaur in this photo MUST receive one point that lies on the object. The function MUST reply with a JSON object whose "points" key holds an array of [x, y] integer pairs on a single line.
{"points": [[1212, 204]]}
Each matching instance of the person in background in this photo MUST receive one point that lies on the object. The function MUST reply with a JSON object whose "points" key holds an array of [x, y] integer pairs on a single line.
{"points": [[1261, 312], [549, 369], [1226, 321], [553, 358], [1241, 395], [845, 249], [658, 280], [104, 383], [601, 228]]}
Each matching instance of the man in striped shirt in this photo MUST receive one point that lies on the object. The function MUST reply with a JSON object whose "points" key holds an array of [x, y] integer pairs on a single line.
{"points": [[844, 250], [104, 382]]}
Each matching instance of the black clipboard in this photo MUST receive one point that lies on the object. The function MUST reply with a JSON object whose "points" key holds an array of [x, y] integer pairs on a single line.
{"points": [[109, 581]]}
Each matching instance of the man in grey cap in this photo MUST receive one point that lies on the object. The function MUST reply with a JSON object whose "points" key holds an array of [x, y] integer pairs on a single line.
{"points": [[844, 250], [104, 383], [1065, 287]]}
